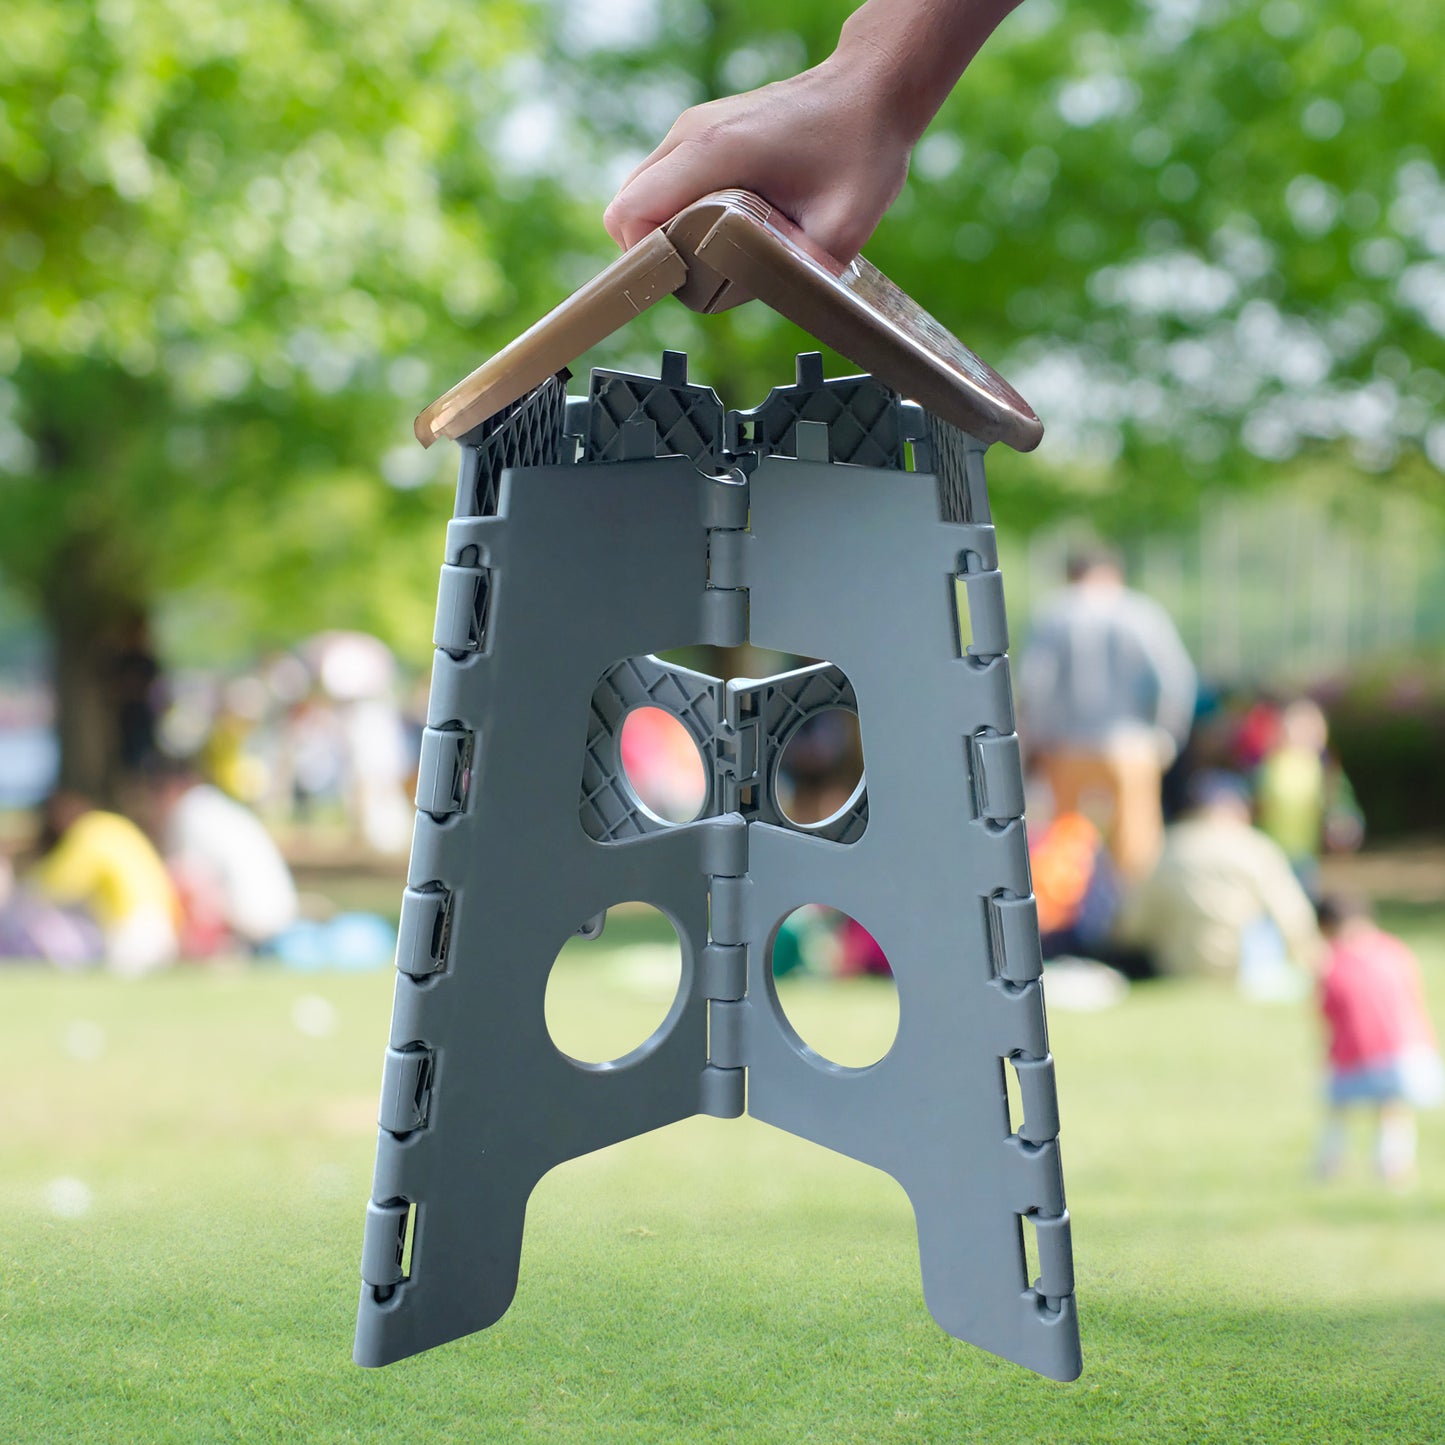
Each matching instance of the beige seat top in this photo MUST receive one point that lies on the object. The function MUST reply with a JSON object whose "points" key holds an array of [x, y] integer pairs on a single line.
{"points": [[728, 248]]}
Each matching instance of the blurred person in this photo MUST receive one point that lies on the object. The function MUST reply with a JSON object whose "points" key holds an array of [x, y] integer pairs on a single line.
{"points": [[313, 756], [829, 147], [1077, 893], [227, 865], [1381, 1046], [1075, 886], [226, 752], [826, 943], [102, 864], [352, 735], [1106, 695], [1256, 733], [1207, 746], [1300, 793], [377, 768], [1223, 901], [820, 766], [662, 764], [35, 931], [859, 953]]}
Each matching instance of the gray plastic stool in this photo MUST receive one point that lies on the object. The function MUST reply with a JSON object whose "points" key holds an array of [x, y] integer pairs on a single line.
{"points": [[591, 534]]}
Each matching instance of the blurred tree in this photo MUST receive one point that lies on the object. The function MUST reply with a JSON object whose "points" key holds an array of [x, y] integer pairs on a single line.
{"points": [[1205, 238], [239, 248]]}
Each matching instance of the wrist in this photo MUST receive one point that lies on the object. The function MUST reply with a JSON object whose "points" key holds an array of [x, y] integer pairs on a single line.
{"points": [[908, 57]]}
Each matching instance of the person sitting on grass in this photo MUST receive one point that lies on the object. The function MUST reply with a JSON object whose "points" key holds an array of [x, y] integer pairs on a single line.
{"points": [[103, 866], [1381, 1044], [1223, 901], [227, 866]]}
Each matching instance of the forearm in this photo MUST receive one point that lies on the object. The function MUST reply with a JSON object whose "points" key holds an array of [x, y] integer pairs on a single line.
{"points": [[915, 50]]}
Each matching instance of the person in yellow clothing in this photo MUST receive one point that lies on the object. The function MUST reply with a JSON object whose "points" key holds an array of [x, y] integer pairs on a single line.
{"points": [[103, 863]]}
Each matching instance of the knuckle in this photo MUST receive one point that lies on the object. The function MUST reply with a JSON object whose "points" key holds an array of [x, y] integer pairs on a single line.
{"points": [[703, 124]]}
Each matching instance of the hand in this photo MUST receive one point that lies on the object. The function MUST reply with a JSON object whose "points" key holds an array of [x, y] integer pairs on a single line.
{"points": [[829, 148], [825, 147]]}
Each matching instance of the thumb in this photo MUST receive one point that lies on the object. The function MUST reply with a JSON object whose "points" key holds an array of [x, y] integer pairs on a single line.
{"points": [[659, 191]]}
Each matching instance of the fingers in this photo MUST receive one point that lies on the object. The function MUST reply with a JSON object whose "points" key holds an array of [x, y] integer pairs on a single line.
{"points": [[619, 217], [833, 166], [658, 191]]}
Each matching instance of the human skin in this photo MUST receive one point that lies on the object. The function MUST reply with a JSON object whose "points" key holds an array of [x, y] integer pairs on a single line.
{"points": [[829, 147]]}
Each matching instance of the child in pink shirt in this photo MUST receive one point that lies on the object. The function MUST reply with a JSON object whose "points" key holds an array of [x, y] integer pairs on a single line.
{"points": [[1382, 1049]]}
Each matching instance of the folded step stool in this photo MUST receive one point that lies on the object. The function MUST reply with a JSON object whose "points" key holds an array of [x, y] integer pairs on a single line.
{"points": [[836, 520]]}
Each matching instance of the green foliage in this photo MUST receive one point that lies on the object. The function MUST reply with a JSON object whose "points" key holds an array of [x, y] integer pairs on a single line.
{"points": [[241, 248], [1386, 727]]}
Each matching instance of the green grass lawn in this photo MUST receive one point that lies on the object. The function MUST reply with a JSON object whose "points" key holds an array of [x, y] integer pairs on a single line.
{"points": [[184, 1165]]}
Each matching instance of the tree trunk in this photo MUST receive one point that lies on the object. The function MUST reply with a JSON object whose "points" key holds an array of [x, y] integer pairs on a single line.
{"points": [[104, 678]]}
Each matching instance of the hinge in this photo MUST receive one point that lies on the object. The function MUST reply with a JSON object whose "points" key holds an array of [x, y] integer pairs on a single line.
{"points": [[424, 930], [979, 597], [995, 770], [463, 600], [1053, 1235], [1038, 1175], [724, 619], [383, 1244], [723, 969], [406, 1085], [1013, 928], [445, 769]]}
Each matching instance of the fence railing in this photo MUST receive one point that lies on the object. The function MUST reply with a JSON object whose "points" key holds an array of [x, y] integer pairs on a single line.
{"points": [[1279, 588]]}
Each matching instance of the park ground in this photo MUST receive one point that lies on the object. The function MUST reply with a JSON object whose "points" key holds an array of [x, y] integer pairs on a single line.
{"points": [[184, 1165]]}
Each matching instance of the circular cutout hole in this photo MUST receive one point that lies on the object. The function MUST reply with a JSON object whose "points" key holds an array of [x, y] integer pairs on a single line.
{"points": [[610, 994], [820, 767], [833, 986], [662, 765]]}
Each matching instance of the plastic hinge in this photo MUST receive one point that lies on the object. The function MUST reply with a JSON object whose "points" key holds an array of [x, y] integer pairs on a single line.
{"points": [[723, 616], [1036, 1176], [998, 776], [1022, 1026], [383, 1243], [722, 1093], [725, 1034], [727, 558], [406, 1080], [725, 851], [462, 598], [987, 620], [724, 971], [1014, 934], [424, 930], [727, 910], [444, 771], [1040, 1099], [725, 502], [1056, 1255]]}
